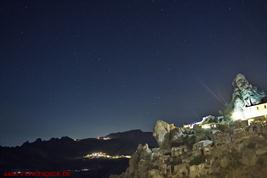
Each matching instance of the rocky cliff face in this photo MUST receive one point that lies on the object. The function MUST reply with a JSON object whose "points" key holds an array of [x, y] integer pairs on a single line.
{"points": [[211, 148]]}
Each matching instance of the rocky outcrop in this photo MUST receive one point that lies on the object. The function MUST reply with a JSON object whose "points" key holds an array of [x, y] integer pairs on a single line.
{"points": [[162, 132], [229, 151], [244, 95], [247, 94]]}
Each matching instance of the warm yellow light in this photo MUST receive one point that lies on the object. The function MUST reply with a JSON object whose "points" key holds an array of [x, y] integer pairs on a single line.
{"points": [[97, 155], [237, 115], [103, 138]]}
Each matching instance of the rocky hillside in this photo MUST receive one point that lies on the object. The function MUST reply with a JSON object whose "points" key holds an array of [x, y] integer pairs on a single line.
{"points": [[230, 151], [216, 147]]}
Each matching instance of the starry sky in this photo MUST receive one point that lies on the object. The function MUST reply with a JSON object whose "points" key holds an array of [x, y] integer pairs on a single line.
{"points": [[88, 68]]}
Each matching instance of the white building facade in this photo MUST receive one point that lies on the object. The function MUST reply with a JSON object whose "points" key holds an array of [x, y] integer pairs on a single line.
{"points": [[259, 110]]}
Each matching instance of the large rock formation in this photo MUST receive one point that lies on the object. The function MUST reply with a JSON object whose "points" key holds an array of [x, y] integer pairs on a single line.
{"points": [[247, 94], [244, 95], [162, 132], [211, 148]]}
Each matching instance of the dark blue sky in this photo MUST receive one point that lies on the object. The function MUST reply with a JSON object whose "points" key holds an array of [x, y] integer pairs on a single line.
{"points": [[87, 68]]}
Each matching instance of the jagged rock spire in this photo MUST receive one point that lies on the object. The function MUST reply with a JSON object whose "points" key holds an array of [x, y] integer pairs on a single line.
{"points": [[245, 94]]}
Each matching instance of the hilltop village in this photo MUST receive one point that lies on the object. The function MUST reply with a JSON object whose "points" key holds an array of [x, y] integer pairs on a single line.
{"points": [[233, 144]]}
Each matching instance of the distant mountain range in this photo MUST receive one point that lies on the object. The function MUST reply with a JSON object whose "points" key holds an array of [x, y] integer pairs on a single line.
{"points": [[67, 153]]}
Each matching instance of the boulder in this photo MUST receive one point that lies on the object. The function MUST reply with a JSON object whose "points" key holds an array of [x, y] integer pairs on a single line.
{"points": [[162, 133]]}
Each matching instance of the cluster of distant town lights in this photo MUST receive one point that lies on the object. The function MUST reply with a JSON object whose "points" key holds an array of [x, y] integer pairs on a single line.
{"points": [[99, 155], [102, 155]]}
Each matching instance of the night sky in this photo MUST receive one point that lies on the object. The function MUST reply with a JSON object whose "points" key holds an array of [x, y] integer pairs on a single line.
{"points": [[88, 68]]}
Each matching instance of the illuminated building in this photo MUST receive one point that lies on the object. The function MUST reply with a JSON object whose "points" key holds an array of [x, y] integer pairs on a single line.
{"points": [[259, 110], [103, 138]]}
